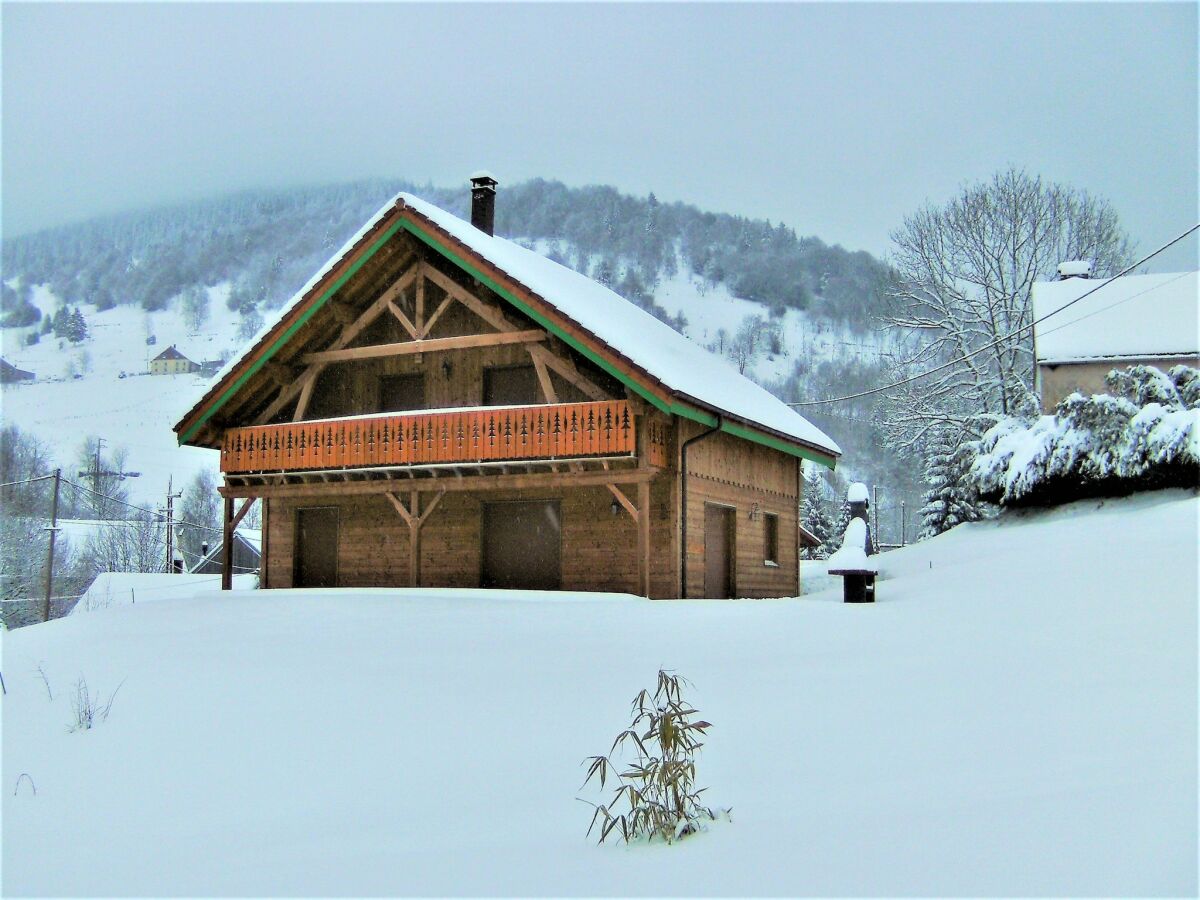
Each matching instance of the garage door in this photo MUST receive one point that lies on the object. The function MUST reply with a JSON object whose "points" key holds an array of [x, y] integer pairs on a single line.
{"points": [[522, 545]]}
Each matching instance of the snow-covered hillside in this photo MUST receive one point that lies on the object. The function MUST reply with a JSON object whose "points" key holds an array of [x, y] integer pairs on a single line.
{"points": [[1017, 715], [136, 411]]}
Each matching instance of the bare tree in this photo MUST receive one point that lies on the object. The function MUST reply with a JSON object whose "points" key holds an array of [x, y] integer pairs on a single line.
{"points": [[748, 343], [129, 545], [963, 274]]}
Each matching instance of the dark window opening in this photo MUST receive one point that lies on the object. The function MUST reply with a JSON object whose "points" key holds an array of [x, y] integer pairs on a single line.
{"points": [[511, 386], [771, 535], [399, 393]]}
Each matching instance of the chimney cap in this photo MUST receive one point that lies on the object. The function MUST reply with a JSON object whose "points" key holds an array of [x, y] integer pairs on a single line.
{"points": [[483, 178], [1075, 268]]}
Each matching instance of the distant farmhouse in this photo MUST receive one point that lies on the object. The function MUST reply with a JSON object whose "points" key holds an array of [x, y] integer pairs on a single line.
{"points": [[1136, 320], [172, 362], [10, 374]]}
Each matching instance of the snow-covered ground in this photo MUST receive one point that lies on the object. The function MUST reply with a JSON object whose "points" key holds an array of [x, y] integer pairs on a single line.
{"points": [[1017, 715]]}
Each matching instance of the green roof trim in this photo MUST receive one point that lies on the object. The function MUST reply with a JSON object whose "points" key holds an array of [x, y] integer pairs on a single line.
{"points": [[767, 440], [286, 336]]}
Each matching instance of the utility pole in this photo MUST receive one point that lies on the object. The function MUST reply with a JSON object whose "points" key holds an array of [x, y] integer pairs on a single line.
{"points": [[171, 525], [875, 512], [903, 524], [53, 529], [96, 473]]}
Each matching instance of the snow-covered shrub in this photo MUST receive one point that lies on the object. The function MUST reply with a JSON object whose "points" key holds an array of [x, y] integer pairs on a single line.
{"points": [[1096, 446], [658, 789]]}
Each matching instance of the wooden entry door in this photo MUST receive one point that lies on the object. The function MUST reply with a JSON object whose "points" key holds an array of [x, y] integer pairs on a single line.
{"points": [[316, 547], [522, 545], [718, 551]]}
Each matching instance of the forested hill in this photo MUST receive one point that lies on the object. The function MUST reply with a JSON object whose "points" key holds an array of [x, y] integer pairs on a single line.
{"points": [[267, 243]]}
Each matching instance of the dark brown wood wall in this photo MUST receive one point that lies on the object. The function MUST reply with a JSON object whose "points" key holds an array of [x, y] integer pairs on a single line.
{"points": [[346, 389], [732, 472]]}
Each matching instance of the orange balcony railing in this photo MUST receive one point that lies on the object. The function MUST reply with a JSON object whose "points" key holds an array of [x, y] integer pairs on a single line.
{"points": [[561, 430]]}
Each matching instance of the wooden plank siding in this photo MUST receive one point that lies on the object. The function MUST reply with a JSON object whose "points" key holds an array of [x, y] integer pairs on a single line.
{"points": [[739, 474]]}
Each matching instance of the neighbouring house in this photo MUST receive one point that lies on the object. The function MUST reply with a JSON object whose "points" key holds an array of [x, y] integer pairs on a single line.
{"points": [[172, 362], [442, 407], [211, 367], [247, 554], [10, 374], [1135, 320]]}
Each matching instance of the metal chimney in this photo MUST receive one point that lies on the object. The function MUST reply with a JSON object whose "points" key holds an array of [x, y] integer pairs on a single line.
{"points": [[483, 201]]}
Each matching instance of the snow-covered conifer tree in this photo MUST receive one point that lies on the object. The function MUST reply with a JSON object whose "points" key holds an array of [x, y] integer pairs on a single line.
{"points": [[949, 497], [816, 516]]}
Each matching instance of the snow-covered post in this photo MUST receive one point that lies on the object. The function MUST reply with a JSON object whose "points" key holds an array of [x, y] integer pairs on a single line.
{"points": [[850, 560]]}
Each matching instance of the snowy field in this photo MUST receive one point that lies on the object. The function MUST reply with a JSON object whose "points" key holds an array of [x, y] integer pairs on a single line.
{"points": [[1017, 715]]}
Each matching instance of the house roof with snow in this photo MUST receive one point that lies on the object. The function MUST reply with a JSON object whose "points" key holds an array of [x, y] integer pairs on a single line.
{"points": [[170, 353], [649, 357], [10, 373], [1126, 318]]}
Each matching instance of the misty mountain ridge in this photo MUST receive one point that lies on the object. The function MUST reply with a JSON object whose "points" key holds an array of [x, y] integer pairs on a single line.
{"points": [[266, 243]]}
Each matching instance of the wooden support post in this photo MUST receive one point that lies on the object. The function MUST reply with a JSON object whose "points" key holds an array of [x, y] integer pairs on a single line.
{"points": [[419, 313], [414, 531], [413, 516], [227, 546], [643, 524]]}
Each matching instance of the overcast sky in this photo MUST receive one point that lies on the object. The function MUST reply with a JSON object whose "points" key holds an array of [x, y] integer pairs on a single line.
{"points": [[836, 119]]}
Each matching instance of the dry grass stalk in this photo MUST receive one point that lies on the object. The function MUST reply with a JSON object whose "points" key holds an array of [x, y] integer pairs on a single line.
{"points": [[657, 797]]}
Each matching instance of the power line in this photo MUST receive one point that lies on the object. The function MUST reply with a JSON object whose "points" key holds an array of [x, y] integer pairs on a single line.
{"points": [[998, 341], [152, 512]]}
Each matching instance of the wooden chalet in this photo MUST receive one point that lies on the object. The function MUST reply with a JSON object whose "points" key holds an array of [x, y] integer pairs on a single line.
{"points": [[441, 407]]}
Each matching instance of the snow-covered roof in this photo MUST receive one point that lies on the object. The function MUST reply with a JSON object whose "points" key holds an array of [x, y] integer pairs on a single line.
{"points": [[857, 493], [664, 353], [1075, 267], [120, 588], [171, 353], [1129, 317], [684, 367]]}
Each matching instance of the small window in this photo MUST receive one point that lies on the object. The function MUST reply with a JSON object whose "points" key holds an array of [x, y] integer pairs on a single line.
{"points": [[771, 538], [398, 393], [510, 386]]}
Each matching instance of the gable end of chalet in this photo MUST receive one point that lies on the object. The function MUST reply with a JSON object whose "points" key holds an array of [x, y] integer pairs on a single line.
{"points": [[363, 270]]}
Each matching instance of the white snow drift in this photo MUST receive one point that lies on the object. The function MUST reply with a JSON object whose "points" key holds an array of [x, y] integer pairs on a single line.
{"points": [[1017, 715]]}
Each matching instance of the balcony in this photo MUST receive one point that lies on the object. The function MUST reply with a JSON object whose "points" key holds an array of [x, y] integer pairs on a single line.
{"points": [[497, 434]]}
